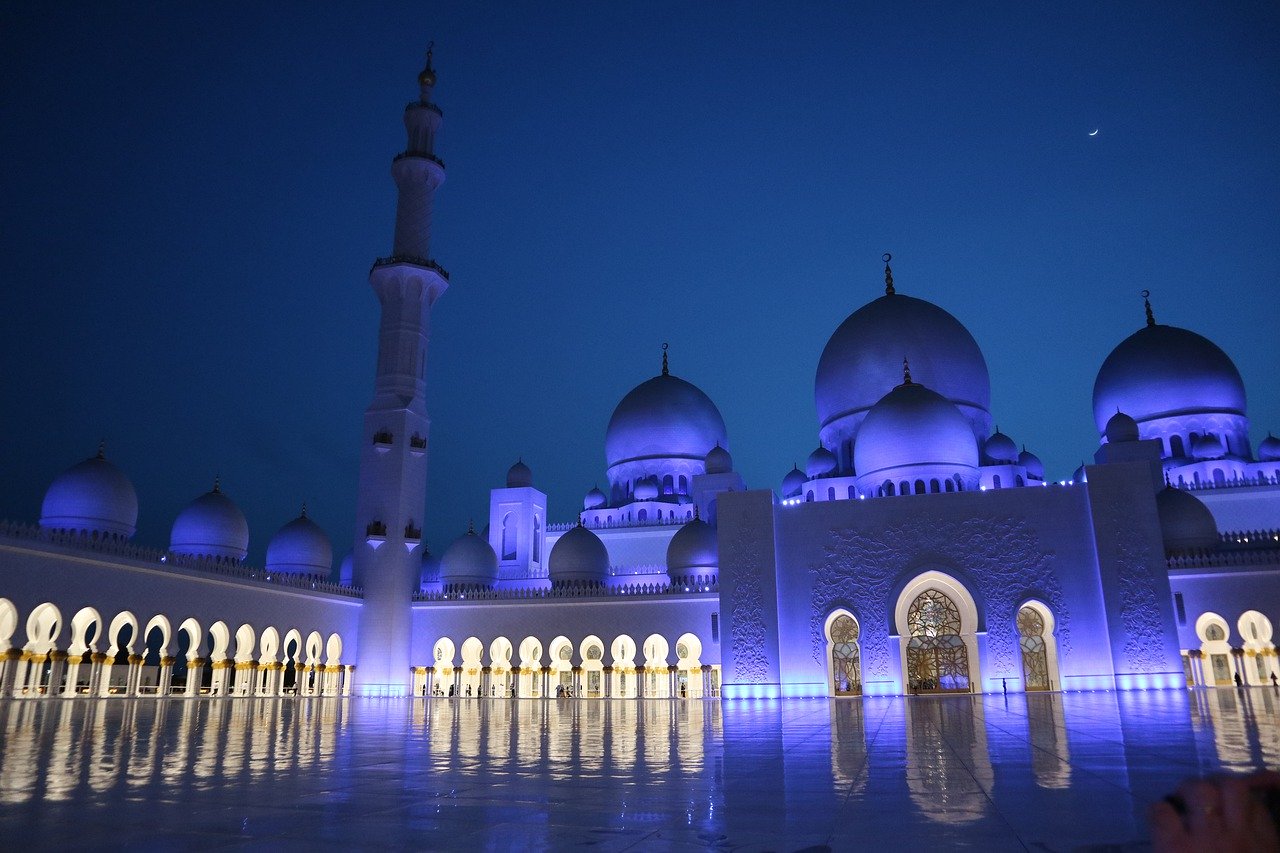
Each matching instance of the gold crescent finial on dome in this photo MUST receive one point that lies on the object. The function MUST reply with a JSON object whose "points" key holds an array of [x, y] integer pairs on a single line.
{"points": [[427, 77], [1146, 303], [665, 370], [102, 448], [906, 371], [888, 276]]}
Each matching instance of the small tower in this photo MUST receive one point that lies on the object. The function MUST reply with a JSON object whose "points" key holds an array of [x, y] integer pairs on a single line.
{"points": [[393, 455], [517, 527]]}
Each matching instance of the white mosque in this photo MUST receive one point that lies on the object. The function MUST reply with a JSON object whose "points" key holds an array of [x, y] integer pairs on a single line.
{"points": [[917, 551]]}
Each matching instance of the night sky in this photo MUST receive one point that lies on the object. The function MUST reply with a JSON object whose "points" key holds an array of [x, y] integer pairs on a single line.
{"points": [[191, 198]]}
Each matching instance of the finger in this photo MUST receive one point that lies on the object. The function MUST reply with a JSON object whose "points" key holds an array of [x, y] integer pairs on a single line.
{"points": [[1239, 806], [1204, 808]]}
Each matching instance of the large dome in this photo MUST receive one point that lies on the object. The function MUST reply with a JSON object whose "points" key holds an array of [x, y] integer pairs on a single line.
{"points": [[1165, 372], [863, 361], [93, 497], [211, 526], [663, 426], [914, 427], [300, 547], [1185, 522], [469, 560], [578, 555]]}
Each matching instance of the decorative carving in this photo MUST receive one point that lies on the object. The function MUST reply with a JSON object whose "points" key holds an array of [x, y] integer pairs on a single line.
{"points": [[745, 608], [1139, 607], [1003, 555]]}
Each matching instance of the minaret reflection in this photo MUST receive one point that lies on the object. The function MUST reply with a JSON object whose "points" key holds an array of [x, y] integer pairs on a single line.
{"points": [[948, 766], [1050, 754]]}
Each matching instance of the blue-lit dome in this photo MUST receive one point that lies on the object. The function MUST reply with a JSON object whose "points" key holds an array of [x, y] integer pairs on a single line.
{"points": [[820, 463], [793, 483], [647, 489], [1185, 522], [470, 561], [1120, 427], [429, 574], [595, 499], [211, 526], [863, 361], [719, 461], [663, 426], [694, 550], [300, 547], [1032, 463], [914, 431], [578, 555], [1164, 371], [999, 449], [91, 497], [519, 475], [1208, 447], [1269, 449]]}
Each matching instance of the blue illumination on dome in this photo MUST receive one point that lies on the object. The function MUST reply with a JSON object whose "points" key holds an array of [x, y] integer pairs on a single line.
{"points": [[91, 497], [578, 555], [300, 547], [694, 550], [469, 560], [211, 526], [1164, 372], [863, 360], [914, 432]]}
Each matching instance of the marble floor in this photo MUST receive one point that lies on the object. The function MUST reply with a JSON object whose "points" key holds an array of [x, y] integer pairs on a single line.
{"points": [[1039, 772]]}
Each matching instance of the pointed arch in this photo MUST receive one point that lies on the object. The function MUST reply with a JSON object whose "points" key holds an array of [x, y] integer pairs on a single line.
{"points": [[844, 659]]}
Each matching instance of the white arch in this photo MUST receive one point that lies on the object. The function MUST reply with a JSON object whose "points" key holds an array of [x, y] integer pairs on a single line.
{"points": [[851, 688], [442, 654], [195, 637], [968, 610], [8, 623], [85, 618], [1216, 658], [471, 676], [689, 667], [333, 650], [314, 648], [245, 639], [268, 645], [530, 686], [623, 652], [1049, 636], [657, 680], [591, 653], [221, 640], [500, 651], [118, 624], [561, 650], [1259, 651], [292, 637], [166, 632]]}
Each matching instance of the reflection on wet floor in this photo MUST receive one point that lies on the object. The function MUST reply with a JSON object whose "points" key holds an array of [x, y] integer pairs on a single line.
{"points": [[987, 771]]}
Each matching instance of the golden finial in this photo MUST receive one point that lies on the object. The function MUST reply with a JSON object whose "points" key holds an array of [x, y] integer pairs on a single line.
{"points": [[217, 484], [427, 77], [695, 513], [102, 449], [1146, 303], [665, 370], [888, 276], [906, 372], [471, 527], [304, 509]]}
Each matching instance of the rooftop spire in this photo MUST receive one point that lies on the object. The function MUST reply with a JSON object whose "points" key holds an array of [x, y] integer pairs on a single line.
{"points": [[1146, 303], [102, 449], [304, 509], [888, 276], [665, 370], [427, 77], [906, 372], [217, 484], [471, 527]]}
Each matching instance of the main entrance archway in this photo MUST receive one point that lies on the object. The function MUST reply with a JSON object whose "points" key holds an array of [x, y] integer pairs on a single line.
{"points": [[937, 656]]}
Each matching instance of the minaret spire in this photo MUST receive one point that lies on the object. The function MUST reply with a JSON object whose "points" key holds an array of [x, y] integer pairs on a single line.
{"points": [[888, 276], [1146, 303], [666, 371], [906, 375]]}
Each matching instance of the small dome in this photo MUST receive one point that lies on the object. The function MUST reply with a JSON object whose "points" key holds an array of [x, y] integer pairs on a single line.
{"points": [[647, 489], [719, 461], [1164, 371], [211, 526], [300, 547], [1080, 475], [430, 572], [913, 426], [469, 560], [91, 497], [347, 569], [519, 476], [1269, 449], [1185, 522], [578, 555], [1208, 447], [999, 449], [694, 550], [1120, 427], [595, 499], [821, 462], [1032, 463], [793, 483]]}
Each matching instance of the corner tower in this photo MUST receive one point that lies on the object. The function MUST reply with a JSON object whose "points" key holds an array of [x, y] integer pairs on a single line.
{"points": [[393, 455]]}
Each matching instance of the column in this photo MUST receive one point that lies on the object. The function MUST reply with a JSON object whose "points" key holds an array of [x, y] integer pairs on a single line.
{"points": [[607, 677], [546, 681], [164, 684], [134, 680], [8, 671], [73, 675], [195, 674]]}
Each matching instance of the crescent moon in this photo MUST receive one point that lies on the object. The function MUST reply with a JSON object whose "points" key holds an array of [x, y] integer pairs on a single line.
{"points": [[1095, 133]]}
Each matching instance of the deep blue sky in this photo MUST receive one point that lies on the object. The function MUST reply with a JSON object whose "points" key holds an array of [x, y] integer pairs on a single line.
{"points": [[190, 200]]}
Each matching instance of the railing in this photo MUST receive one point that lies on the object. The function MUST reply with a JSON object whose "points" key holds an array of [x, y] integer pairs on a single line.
{"points": [[412, 259], [404, 155], [649, 522], [1222, 559], [166, 561], [1251, 538], [705, 584], [1234, 483]]}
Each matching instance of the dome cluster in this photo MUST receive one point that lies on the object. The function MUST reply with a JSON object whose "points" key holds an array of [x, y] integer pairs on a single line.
{"points": [[94, 498]]}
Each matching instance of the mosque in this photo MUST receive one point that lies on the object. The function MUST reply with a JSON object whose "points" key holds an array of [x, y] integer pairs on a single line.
{"points": [[918, 551]]}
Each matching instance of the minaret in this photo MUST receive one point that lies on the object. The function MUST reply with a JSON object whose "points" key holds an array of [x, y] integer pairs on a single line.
{"points": [[393, 454]]}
